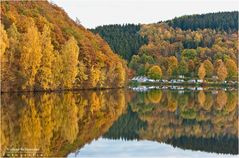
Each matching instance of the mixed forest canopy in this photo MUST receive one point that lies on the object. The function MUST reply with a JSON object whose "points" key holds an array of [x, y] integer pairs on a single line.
{"points": [[201, 46], [43, 49], [202, 53]]}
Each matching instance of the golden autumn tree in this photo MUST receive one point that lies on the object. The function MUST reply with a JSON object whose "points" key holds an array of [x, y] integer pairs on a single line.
{"points": [[30, 58], [81, 76], [155, 72], [10, 79], [57, 67], [94, 76], [70, 53], [172, 65], [201, 71], [231, 68], [208, 67], [44, 77], [120, 78], [222, 72]]}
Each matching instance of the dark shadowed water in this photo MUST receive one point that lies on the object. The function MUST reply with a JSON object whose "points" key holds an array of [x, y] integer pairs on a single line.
{"points": [[121, 123]]}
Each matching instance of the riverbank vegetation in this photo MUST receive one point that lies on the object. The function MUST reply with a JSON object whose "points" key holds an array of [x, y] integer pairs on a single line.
{"points": [[43, 49]]}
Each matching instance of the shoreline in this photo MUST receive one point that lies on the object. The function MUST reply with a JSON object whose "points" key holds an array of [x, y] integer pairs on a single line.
{"points": [[185, 84], [64, 90], [149, 85]]}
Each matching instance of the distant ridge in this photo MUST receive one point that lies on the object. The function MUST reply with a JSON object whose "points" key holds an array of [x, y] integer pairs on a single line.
{"points": [[226, 21]]}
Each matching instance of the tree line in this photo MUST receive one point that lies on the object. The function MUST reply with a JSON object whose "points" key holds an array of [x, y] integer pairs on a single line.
{"points": [[226, 21], [43, 49]]}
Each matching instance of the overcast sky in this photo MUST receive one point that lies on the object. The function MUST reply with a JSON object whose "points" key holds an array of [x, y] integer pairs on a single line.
{"points": [[93, 13]]}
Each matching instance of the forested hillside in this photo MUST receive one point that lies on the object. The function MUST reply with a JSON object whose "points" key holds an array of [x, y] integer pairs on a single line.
{"points": [[200, 46], [172, 52], [125, 40], [43, 49], [226, 21]]}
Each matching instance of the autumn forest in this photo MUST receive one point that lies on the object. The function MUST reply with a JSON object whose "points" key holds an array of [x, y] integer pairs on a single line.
{"points": [[161, 89], [40, 52]]}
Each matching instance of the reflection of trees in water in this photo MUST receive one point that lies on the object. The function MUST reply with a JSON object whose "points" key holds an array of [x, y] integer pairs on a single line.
{"points": [[222, 144], [190, 120], [58, 123], [126, 127], [200, 115]]}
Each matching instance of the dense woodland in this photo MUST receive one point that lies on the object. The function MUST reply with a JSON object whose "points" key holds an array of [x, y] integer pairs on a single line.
{"points": [[224, 21], [198, 46], [43, 49], [123, 39]]}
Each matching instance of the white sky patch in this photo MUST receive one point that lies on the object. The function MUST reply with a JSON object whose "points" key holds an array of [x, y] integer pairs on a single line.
{"points": [[93, 13]]}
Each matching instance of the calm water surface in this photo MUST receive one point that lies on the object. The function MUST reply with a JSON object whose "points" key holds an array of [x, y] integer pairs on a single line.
{"points": [[121, 123]]}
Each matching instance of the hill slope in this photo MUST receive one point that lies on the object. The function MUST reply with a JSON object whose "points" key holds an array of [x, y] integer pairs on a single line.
{"points": [[43, 49], [194, 46], [125, 40]]}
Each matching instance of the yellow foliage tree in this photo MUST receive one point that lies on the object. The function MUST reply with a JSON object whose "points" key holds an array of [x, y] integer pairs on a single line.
{"points": [[155, 72], [209, 68], [70, 53], [222, 72], [57, 68], [94, 77], [231, 68], [30, 58], [44, 77], [201, 71], [172, 65], [120, 79]]}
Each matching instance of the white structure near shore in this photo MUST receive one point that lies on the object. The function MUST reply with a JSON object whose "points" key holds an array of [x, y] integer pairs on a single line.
{"points": [[143, 79]]}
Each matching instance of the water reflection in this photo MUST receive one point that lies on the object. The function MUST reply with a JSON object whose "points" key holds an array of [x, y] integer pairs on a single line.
{"points": [[199, 120], [61, 123], [57, 123]]}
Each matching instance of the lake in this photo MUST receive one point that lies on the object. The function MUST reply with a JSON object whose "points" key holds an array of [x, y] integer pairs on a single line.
{"points": [[121, 123]]}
